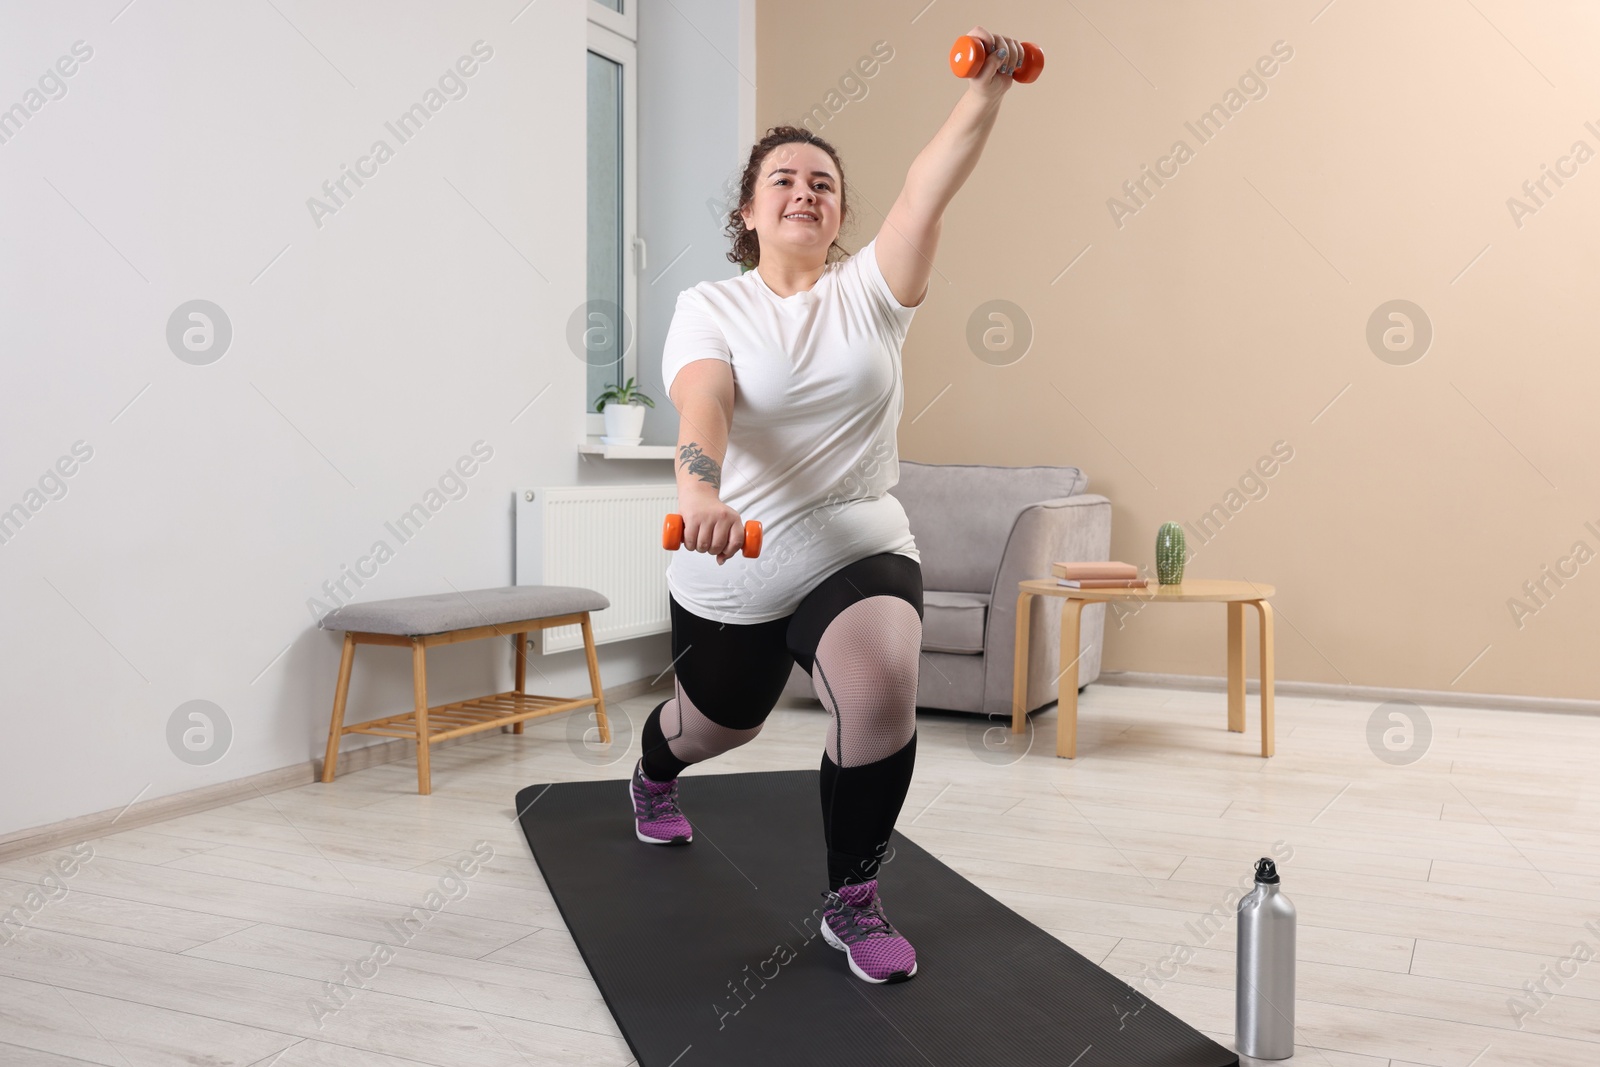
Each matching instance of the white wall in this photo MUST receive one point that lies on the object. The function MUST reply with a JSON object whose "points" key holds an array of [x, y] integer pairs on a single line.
{"points": [[176, 562]]}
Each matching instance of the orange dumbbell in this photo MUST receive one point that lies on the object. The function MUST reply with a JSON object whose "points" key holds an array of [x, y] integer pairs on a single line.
{"points": [[672, 535], [968, 53]]}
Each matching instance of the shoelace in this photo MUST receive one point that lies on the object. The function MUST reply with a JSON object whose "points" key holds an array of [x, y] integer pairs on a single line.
{"points": [[665, 802], [861, 921]]}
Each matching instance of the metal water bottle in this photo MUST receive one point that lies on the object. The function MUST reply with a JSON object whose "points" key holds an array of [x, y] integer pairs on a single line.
{"points": [[1263, 1021]]}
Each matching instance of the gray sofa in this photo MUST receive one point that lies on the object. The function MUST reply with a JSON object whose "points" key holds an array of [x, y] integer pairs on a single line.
{"points": [[980, 530]]}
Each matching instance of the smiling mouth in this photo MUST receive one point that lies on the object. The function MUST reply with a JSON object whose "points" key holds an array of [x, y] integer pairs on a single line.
{"points": [[799, 217]]}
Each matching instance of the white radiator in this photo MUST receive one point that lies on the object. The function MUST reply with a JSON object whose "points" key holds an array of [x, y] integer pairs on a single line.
{"points": [[602, 537]]}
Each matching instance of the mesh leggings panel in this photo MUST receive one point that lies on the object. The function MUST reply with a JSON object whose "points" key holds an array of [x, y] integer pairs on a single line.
{"points": [[866, 676], [678, 734]]}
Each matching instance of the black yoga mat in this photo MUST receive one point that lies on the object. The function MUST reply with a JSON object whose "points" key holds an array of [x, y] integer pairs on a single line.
{"points": [[709, 953]]}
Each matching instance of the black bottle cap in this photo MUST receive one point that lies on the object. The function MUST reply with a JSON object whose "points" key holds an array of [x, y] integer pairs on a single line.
{"points": [[1266, 871]]}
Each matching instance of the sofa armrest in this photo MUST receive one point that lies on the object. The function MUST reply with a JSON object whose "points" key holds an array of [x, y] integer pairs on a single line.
{"points": [[1065, 528]]}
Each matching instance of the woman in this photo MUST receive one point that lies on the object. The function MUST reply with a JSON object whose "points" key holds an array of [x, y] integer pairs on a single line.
{"points": [[807, 445]]}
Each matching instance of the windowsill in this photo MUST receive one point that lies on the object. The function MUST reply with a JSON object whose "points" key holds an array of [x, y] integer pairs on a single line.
{"points": [[591, 446]]}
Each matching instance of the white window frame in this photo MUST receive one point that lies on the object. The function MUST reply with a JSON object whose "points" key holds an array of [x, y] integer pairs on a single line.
{"points": [[615, 36], [624, 24]]}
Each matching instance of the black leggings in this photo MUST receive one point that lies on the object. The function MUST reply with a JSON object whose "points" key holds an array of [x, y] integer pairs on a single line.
{"points": [[735, 674]]}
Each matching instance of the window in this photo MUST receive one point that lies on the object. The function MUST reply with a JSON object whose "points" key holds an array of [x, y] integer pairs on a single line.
{"points": [[612, 164]]}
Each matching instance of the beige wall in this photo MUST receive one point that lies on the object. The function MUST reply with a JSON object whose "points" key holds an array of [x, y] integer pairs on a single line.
{"points": [[1230, 312]]}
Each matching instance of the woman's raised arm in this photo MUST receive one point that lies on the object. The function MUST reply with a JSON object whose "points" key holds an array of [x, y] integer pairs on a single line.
{"points": [[910, 233]]}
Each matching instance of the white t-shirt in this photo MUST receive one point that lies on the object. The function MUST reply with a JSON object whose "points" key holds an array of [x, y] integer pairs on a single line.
{"points": [[811, 446]]}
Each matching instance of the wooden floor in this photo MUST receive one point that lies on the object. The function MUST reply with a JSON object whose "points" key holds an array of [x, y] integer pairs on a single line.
{"points": [[1428, 895]]}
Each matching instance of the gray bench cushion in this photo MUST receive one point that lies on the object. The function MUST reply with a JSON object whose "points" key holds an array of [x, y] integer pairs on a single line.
{"points": [[953, 622], [412, 616]]}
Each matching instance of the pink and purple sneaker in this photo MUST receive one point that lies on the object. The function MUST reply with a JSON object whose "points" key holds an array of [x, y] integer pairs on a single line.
{"points": [[657, 819], [855, 924]]}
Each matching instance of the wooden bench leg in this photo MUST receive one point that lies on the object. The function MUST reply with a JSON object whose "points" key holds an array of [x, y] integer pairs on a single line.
{"points": [[594, 682], [330, 761], [522, 672], [419, 683]]}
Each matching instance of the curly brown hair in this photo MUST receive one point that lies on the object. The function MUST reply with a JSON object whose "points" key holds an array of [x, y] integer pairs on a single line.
{"points": [[747, 243]]}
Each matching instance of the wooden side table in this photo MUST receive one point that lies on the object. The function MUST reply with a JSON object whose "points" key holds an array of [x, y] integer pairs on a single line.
{"points": [[1236, 594]]}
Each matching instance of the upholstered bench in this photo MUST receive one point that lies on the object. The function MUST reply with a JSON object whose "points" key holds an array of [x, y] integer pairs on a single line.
{"points": [[444, 619]]}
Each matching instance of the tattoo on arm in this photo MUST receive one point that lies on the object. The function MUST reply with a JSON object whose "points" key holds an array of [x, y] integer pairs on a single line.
{"points": [[701, 465]]}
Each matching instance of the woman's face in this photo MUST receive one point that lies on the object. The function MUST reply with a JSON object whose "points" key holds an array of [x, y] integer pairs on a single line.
{"points": [[796, 180]]}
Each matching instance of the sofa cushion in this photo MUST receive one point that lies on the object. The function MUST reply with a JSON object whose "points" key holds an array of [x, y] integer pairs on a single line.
{"points": [[953, 622], [961, 516]]}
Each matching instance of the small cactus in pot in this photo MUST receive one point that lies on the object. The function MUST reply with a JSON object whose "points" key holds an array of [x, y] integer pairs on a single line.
{"points": [[1169, 554]]}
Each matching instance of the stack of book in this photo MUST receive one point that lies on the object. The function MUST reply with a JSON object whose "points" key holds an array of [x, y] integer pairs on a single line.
{"points": [[1105, 575]]}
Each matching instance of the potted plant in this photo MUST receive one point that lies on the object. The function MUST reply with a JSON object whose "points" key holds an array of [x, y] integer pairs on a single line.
{"points": [[624, 411]]}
